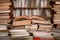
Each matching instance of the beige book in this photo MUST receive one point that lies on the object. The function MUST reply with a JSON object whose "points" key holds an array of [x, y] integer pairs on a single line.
{"points": [[56, 21], [45, 27], [32, 27], [7, 4], [4, 17], [24, 22]]}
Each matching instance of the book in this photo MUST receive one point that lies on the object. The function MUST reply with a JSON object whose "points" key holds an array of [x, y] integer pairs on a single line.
{"points": [[24, 22], [26, 12], [4, 17], [3, 27], [32, 27], [4, 14], [4, 7], [23, 12], [18, 32], [5, 4], [4, 0], [16, 13], [45, 27], [57, 2], [5, 11]]}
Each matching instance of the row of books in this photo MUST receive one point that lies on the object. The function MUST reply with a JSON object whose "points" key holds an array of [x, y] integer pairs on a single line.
{"points": [[31, 3], [4, 17], [31, 12]]}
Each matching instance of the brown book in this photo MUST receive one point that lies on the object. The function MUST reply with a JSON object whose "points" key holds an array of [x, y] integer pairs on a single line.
{"points": [[58, 26], [5, 11], [4, 7], [40, 22], [24, 22]]}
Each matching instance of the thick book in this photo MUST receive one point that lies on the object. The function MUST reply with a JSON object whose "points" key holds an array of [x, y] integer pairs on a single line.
{"points": [[4, 7], [4, 17], [7, 4], [24, 22], [5, 1], [18, 32], [32, 27], [5, 11], [45, 27]]}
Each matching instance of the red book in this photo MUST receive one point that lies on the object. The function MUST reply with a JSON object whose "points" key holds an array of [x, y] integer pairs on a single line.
{"points": [[36, 38]]}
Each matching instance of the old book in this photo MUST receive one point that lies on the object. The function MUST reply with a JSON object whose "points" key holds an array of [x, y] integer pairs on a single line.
{"points": [[42, 34], [5, 11], [24, 22], [2, 21], [4, 0], [56, 21], [32, 27], [18, 32], [37, 3], [18, 27], [58, 26], [17, 3], [4, 14], [4, 17], [26, 12], [7, 4], [40, 22], [3, 33], [37, 18], [16, 13], [57, 2], [23, 12], [45, 27], [3, 27], [4, 7]]}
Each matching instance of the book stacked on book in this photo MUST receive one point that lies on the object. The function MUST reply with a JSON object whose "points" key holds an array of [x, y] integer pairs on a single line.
{"points": [[42, 36], [32, 27], [45, 27], [18, 33], [31, 3], [4, 17], [3, 30]]}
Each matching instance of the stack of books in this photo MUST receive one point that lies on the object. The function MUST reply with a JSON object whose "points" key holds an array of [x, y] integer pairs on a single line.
{"points": [[3, 30], [31, 3], [18, 33], [57, 14], [4, 17], [42, 36], [45, 27]]}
